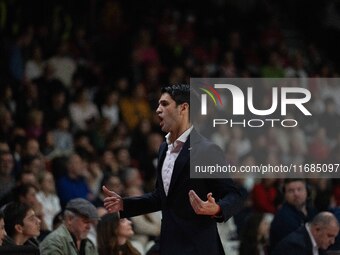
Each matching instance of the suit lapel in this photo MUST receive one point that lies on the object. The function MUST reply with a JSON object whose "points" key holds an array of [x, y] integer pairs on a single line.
{"points": [[161, 157]]}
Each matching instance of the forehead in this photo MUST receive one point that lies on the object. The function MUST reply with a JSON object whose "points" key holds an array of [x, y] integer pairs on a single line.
{"points": [[295, 184], [82, 219], [30, 213]]}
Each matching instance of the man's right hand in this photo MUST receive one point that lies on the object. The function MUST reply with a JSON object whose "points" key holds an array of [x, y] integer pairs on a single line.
{"points": [[112, 202]]}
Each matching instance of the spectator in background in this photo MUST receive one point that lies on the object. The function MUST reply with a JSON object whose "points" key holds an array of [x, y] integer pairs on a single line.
{"points": [[147, 227], [136, 107], [254, 237], [21, 224], [16, 55], [83, 112], [35, 65], [34, 128], [319, 147], [312, 238], [31, 148], [7, 180], [73, 184], [110, 108], [70, 238], [113, 236], [2, 228], [294, 213], [56, 105], [63, 139], [264, 195], [330, 115], [27, 194], [48, 198], [25, 181], [63, 65], [7, 123], [94, 175], [148, 164]]}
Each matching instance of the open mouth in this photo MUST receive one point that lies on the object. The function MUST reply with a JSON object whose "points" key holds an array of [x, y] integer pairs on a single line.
{"points": [[161, 122]]}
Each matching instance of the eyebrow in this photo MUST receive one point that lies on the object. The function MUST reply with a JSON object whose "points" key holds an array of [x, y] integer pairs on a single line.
{"points": [[163, 101]]}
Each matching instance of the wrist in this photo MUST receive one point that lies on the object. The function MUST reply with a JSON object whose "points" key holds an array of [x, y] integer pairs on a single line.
{"points": [[218, 214], [218, 210]]}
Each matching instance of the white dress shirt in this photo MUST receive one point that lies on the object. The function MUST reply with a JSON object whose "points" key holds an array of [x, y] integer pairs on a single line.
{"points": [[315, 246], [171, 155]]}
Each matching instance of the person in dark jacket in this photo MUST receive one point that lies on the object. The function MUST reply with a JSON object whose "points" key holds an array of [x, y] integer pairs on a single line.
{"points": [[311, 239], [190, 207]]}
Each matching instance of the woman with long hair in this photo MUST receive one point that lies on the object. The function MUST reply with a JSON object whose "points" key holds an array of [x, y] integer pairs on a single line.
{"points": [[113, 236], [255, 234]]}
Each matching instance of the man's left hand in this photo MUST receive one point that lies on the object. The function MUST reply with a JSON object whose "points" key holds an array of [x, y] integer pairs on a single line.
{"points": [[209, 207]]}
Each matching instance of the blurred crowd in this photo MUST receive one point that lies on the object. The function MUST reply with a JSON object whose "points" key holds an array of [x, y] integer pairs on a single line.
{"points": [[80, 83]]}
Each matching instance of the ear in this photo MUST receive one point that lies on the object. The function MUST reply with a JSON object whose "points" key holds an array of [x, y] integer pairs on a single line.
{"points": [[184, 107], [18, 228]]}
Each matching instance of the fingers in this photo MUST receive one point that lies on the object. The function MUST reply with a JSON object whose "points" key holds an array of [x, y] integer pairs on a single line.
{"points": [[195, 202], [108, 192], [194, 199], [201, 207], [112, 201], [211, 199]]}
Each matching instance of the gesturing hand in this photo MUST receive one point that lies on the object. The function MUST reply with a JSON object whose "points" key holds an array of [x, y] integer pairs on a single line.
{"points": [[112, 202], [209, 207]]}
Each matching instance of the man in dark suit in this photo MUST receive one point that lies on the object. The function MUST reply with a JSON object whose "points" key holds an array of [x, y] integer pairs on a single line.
{"points": [[294, 213], [312, 239], [190, 207]]}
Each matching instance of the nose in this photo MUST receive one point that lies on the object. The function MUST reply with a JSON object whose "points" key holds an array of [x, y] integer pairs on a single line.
{"points": [[158, 110]]}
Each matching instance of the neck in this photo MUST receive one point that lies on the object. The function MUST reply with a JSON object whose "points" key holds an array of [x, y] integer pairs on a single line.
{"points": [[174, 135], [20, 239], [302, 208], [121, 240]]}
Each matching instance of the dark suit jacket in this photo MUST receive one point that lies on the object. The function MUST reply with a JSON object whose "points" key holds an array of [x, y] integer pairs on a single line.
{"points": [[286, 220], [183, 231], [296, 243]]}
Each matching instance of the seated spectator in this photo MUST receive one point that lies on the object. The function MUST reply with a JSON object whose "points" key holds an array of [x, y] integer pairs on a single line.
{"points": [[312, 238], [113, 236], [22, 179], [2, 228], [147, 227], [82, 110], [294, 213], [255, 234], [264, 196], [21, 224], [26, 194], [71, 236], [73, 184], [7, 181], [63, 139], [48, 198]]}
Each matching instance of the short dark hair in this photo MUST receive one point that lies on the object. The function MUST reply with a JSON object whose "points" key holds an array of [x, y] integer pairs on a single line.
{"points": [[289, 180], [180, 93], [22, 190], [14, 213]]}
